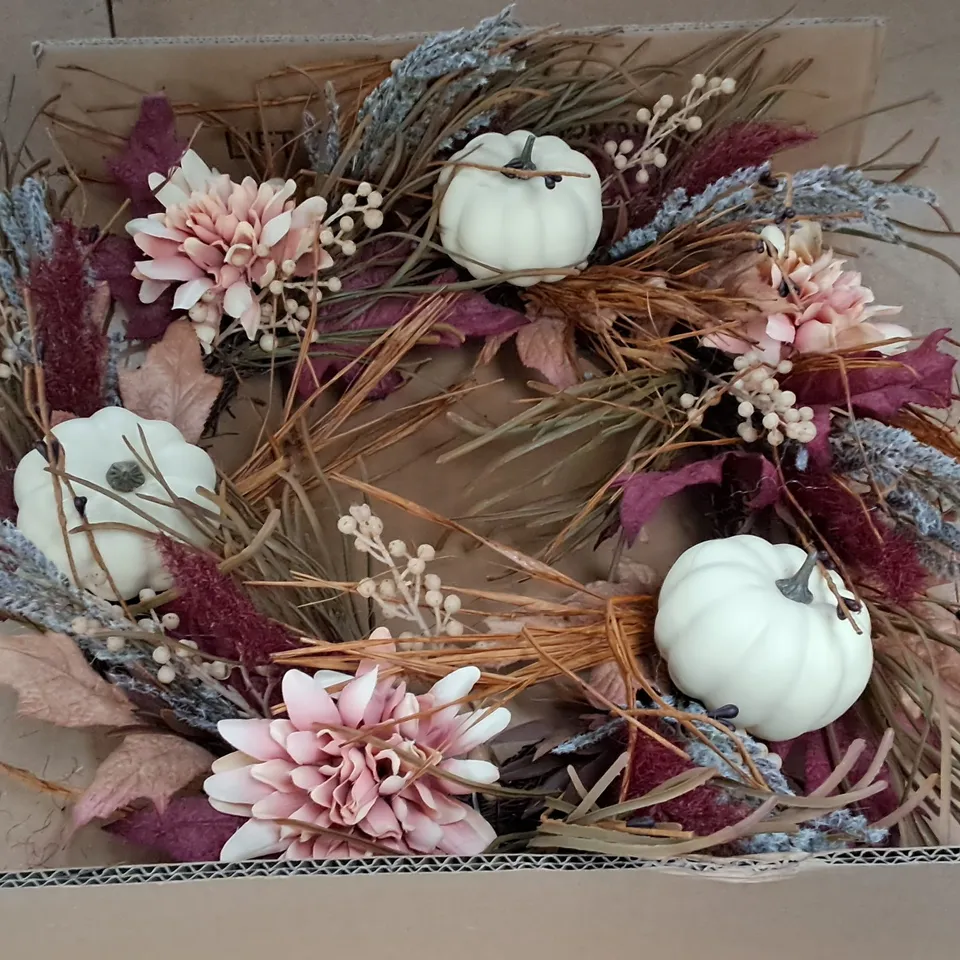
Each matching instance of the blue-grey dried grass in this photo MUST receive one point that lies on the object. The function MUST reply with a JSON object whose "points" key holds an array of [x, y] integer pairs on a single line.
{"points": [[25, 223], [467, 59], [323, 143], [832, 831], [33, 590], [839, 197], [918, 483]]}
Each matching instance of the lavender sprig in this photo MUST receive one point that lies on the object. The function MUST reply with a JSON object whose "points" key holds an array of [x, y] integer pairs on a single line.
{"points": [[468, 58], [832, 831], [839, 197], [33, 590], [323, 144]]}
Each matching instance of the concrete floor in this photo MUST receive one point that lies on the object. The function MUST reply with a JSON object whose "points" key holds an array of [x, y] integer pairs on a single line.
{"points": [[921, 57]]}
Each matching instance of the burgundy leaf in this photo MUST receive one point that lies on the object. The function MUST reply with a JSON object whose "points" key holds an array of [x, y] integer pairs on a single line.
{"points": [[324, 364], [112, 261], [153, 147], [69, 318], [882, 388], [547, 345], [188, 831], [644, 492]]}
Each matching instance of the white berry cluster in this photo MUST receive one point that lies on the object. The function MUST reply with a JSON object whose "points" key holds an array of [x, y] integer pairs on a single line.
{"points": [[407, 592], [166, 650], [661, 124], [289, 300], [760, 396], [756, 387]]}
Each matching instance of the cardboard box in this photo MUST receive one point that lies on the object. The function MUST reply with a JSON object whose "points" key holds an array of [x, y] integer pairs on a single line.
{"points": [[512, 906]]}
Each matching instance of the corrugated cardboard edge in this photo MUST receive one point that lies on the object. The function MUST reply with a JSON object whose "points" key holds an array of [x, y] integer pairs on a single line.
{"points": [[41, 46], [733, 870]]}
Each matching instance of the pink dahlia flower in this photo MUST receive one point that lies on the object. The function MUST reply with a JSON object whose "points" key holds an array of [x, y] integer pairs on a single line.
{"points": [[222, 242], [815, 305], [314, 787]]}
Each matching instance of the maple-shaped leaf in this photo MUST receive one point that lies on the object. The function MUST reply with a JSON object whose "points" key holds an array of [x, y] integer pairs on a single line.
{"points": [[546, 345], [151, 766], [153, 147], [172, 384], [113, 260], [55, 683], [188, 831]]}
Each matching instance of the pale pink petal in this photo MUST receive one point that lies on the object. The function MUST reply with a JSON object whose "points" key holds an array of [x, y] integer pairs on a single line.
{"points": [[307, 778], [308, 705], [479, 727], [190, 292], [814, 337], [325, 679], [256, 838], [355, 696], [232, 761], [232, 809], [309, 213], [275, 230], [250, 320], [154, 228], [381, 821], [169, 268], [303, 747], [275, 774], [237, 299], [276, 204], [278, 806], [157, 247], [780, 327], [454, 687], [251, 737], [468, 837], [196, 172], [406, 713], [202, 253], [280, 731], [419, 831], [152, 290], [239, 255], [170, 195], [476, 771], [236, 786]]}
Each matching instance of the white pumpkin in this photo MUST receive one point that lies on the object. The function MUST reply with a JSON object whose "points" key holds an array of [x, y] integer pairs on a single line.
{"points": [[94, 449], [493, 223], [754, 624]]}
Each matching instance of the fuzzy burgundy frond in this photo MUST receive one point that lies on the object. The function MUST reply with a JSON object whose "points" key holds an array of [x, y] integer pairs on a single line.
{"points": [[860, 535], [216, 613], [153, 147], [71, 343], [740, 145]]}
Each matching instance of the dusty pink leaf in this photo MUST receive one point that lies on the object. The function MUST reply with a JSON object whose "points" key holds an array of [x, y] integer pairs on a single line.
{"points": [[151, 766], [172, 384], [61, 416], [188, 831], [55, 683], [644, 492], [546, 345]]}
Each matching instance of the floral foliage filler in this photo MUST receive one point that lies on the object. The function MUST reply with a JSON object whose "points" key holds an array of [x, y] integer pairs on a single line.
{"points": [[712, 342]]}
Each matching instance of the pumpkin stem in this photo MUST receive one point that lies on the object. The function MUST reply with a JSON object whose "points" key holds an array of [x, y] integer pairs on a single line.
{"points": [[125, 476], [525, 160], [797, 588]]}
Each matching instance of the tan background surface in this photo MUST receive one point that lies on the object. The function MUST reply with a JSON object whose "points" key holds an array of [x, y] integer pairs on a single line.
{"points": [[921, 56]]}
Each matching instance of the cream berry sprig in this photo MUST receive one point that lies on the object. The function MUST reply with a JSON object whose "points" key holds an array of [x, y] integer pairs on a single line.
{"points": [[407, 591], [666, 119]]}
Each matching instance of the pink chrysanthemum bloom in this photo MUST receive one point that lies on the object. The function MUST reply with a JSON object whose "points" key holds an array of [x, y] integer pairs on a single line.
{"points": [[223, 242], [819, 306], [317, 768]]}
